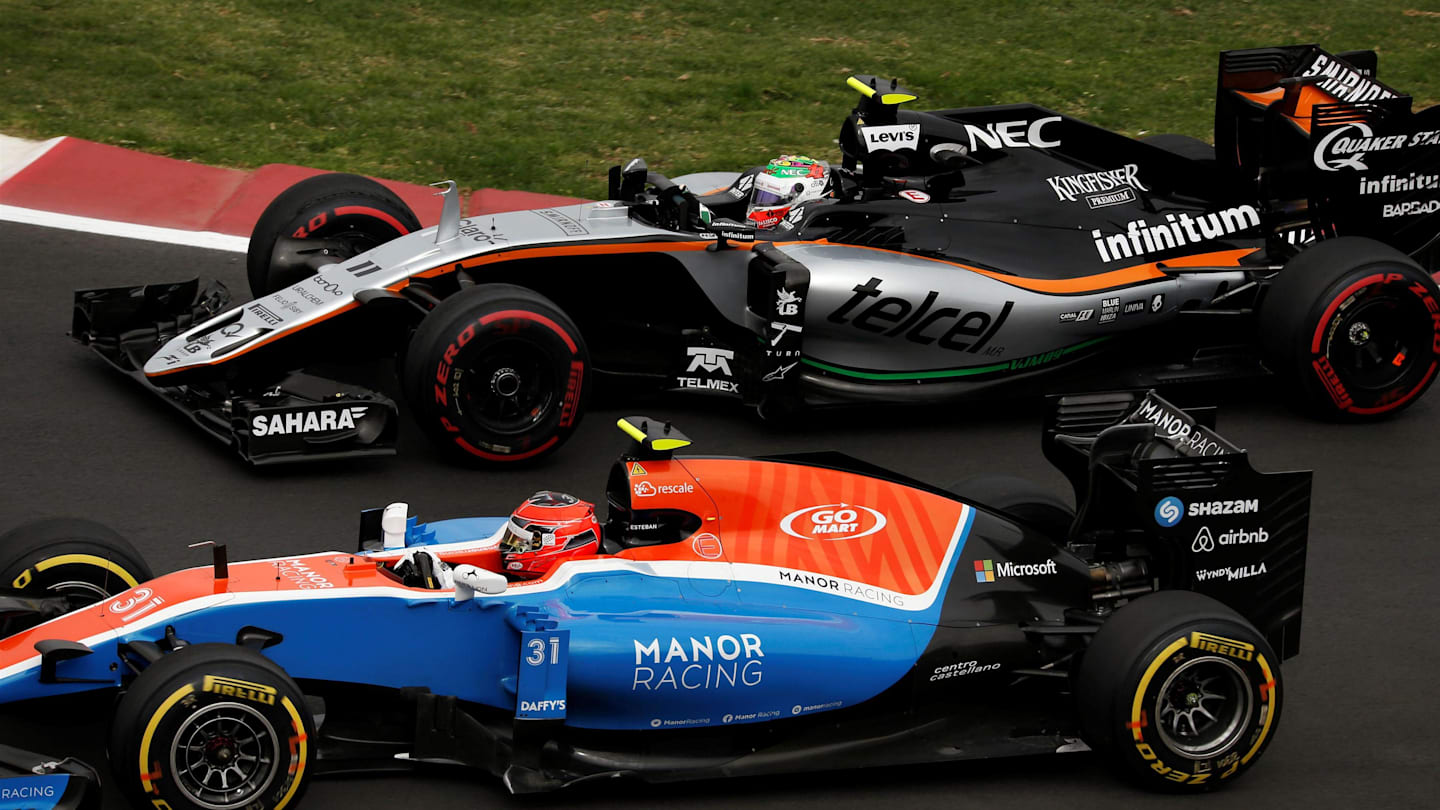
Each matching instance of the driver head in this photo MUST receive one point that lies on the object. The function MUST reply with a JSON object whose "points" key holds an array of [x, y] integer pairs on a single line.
{"points": [[787, 182], [545, 530]]}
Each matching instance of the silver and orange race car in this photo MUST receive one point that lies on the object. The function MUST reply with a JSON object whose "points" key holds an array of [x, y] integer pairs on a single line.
{"points": [[961, 253]]}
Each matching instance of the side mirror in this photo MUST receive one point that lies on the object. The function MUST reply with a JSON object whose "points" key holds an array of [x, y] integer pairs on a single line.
{"points": [[470, 580], [949, 155], [632, 180], [392, 525]]}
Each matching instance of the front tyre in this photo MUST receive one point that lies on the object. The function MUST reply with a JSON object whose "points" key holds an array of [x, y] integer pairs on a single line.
{"points": [[497, 374], [1354, 326], [70, 557], [354, 212], [1179, 692], [213, 727]]}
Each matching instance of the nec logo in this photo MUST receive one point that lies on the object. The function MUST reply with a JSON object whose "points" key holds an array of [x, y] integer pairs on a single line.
{"points": [[709, 359], [1014, 134]]}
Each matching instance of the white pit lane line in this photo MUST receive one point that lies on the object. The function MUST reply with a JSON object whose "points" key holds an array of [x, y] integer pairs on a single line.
{"points": [[129, 230]]}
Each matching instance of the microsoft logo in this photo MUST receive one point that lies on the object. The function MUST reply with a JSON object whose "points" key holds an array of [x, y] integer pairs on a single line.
{"points": [[984, 570], [988, 570]]}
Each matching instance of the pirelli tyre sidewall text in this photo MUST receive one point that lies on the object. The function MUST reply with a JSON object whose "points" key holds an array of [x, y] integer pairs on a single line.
{"points": [[213, 727], [1179, 692], [496, 374], [355, 210], [1354, 326], [71, 557]]}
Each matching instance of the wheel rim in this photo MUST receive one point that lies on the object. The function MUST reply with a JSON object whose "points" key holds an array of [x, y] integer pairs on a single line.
{"points": [[358, 232], [224, 755], [509, 386], [1379, 340], [1204, 707], [88, 591]]}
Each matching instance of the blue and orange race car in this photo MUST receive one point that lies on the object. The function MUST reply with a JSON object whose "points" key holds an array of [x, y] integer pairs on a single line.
{"points": [[698, 632]]}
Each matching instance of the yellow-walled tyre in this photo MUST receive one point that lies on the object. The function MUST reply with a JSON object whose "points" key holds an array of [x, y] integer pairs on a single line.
{"points": [[1179, 692], [70, 557], [213, 727]]}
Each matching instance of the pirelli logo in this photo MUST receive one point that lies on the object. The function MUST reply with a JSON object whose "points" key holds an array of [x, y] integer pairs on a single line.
{"points": [[1221, 645], [236, 688]]}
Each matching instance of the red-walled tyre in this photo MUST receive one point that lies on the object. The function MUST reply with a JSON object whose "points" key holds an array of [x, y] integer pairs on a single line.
{"points": [[1354, 327], [354, 212], [497, 374]]}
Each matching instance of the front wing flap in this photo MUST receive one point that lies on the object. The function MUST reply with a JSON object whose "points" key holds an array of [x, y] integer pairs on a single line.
{"points": [[30, 780], [294, 417]]}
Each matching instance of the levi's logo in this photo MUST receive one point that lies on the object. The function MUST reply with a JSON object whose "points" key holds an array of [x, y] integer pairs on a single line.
{"points": [[897, 136]]}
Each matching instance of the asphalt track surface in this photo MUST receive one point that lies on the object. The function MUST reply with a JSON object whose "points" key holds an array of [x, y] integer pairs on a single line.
{"points": [[1358, 727]]}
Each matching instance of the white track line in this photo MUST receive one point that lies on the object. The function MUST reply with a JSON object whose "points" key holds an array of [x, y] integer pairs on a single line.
{"points": [[16, 154], [129, 230]]}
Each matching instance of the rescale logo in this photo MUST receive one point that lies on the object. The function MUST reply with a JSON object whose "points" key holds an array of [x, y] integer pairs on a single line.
{"points": [[645, 489], [833, 521]]}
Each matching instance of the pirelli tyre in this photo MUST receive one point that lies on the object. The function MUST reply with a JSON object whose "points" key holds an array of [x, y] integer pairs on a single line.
{"points": [[353, 213], [70, 557], [497, 374], [1179, 692], [1354, 327], [1020, 498], [213, 727]]}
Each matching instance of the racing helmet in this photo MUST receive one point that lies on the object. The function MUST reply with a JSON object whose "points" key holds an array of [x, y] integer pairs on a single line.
{"points": [[787, 182], [548, 528]]}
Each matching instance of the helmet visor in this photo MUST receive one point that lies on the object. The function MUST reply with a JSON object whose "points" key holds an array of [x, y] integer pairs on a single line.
{"points": [[771, 199], [519, 539]]}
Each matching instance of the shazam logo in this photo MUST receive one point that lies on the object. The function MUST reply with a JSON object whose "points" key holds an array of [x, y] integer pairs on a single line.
{"points": [[1169, 511]]}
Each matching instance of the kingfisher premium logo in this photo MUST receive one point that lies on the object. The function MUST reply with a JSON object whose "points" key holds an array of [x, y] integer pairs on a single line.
{"points": [[1100, 189]]}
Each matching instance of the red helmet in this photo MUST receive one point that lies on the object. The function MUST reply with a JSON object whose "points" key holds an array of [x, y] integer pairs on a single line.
{"points": [[547, 529]]}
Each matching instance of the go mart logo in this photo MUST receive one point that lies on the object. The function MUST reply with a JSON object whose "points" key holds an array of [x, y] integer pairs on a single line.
{"points": [[988, 570]]}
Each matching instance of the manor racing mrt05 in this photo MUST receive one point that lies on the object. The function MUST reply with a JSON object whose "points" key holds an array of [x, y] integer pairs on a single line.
{"points": [[948, 254], [689, 635]]}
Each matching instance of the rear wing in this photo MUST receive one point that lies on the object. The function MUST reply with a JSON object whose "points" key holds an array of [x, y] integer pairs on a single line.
{"points": [[1330, 148], [1150, 475]]}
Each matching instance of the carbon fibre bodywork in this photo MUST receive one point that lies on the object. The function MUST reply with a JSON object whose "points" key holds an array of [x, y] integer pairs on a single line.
{"points": [[965, 251]]}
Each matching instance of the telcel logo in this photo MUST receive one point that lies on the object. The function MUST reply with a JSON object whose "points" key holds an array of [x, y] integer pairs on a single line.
{"points": [[833, 521]]}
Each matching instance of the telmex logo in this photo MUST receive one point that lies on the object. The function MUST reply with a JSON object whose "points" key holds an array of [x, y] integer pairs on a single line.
{"points": [[833, 521]]}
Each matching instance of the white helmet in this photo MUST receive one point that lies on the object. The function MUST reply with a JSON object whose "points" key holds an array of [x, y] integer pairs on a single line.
{"points": [[786, 183]]}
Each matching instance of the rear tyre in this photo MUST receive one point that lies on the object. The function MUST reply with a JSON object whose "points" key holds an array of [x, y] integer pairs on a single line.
{"points": [[1179, 692], [1353, 325], [213, 727], [1020, 498], [70, 557], [497, 374], [356, 211]]}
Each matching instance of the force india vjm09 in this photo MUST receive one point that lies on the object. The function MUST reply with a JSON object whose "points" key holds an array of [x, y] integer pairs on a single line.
{"points": [[954, 253], [691, 634]]}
